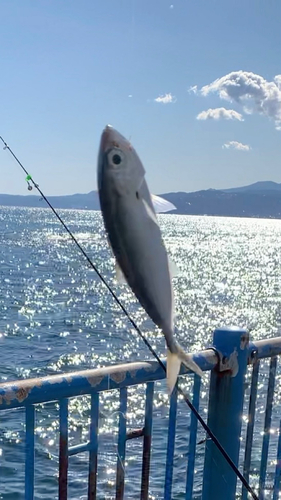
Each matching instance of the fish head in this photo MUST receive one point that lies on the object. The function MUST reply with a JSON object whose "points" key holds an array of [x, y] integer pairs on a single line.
{"points": [[118, 163]]}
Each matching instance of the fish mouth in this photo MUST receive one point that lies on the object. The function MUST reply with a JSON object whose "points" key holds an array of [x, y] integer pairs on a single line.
{"points": [[111, 138], [106, 138]]}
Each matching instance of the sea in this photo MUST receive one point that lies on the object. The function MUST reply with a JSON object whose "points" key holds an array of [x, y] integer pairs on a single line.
{"points": [[57, 316]]}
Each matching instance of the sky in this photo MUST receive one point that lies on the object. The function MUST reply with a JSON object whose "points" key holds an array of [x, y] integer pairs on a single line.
{"points": [[195, 86]]}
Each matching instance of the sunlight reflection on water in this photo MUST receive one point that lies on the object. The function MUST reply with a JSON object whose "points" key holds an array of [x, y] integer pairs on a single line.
{"points": [[56, 316]]}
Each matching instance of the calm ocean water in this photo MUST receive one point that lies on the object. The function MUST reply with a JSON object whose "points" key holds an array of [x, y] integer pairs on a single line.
{"points": [[56, 316]]}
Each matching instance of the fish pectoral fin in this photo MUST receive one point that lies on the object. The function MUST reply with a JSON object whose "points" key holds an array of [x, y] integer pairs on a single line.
{"points": [[173, 369], [174, 270], [119, 275], [161, 205], [149, 211]]}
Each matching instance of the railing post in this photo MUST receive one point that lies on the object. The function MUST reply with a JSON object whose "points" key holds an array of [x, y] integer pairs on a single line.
{"points": [[225, 412]]}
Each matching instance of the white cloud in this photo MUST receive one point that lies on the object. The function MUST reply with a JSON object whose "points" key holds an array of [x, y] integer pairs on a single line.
{"points": [[277, 80], [236, 145], [218, 113], [253, 91], [165, 99]]}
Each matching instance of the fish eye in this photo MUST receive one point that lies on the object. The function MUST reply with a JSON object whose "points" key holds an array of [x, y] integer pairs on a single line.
{"points": [[116, 159]]}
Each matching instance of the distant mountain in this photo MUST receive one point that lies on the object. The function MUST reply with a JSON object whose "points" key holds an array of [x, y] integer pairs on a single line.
{"points": [[256, 187], [262, 199], [265, 204], [89, 201]]}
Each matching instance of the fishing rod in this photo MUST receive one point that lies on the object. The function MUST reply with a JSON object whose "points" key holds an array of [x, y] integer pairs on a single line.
{"points": [[205, 426]]}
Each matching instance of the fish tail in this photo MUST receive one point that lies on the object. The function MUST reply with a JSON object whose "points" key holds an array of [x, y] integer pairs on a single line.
{"points": [[174, 360]]}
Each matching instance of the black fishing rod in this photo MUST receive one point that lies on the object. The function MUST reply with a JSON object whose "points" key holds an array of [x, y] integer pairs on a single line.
{"points": [[211, 435]]}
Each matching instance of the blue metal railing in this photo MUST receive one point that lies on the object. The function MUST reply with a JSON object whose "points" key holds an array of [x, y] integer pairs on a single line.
{"points": [[227, 361]]}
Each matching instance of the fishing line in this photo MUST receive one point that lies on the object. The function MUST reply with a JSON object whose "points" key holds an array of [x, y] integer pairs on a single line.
{"points": [[31, 182]]}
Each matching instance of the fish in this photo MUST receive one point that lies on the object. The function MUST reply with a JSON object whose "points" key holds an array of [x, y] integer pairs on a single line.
{"points": [[136, 241]]}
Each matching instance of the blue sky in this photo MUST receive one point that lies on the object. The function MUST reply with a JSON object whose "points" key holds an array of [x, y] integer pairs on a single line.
{"points": [[70, 67]]}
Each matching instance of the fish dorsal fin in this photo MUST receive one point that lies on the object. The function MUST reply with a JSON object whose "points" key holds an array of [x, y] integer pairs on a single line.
{"points": [[161, 205], [119, 275]]}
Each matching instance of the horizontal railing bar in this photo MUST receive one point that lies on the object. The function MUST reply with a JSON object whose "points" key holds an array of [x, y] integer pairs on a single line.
{"points": [[135, 434], [25, 392], [20, 393], [265, 348]]}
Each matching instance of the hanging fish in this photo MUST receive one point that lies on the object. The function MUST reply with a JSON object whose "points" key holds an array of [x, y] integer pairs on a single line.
{"points": [[135, 237]]}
